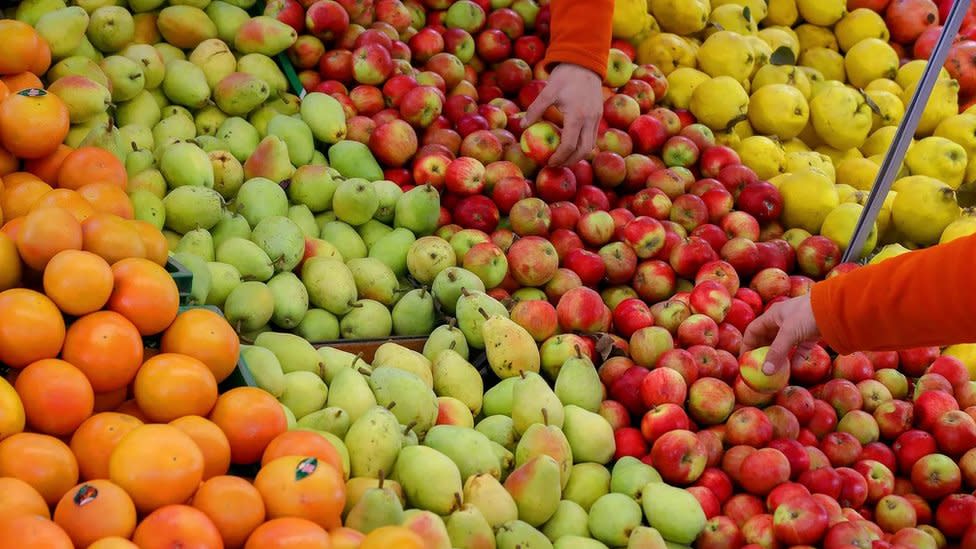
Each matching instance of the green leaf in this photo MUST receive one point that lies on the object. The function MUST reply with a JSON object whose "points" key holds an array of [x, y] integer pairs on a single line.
{"points": [[782, 56], [747, 13]]}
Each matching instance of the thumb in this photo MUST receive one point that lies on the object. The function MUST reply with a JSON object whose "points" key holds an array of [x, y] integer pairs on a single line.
{"points": [[538, 107], [779, 350]]}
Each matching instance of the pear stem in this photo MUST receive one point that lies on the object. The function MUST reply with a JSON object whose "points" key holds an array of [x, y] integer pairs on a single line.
{"points": [[382, 477], [391, 405], [483, 313], [545, 417]]}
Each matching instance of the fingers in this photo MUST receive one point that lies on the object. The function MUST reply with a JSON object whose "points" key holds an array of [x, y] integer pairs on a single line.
{"points": [[538, 107], [587, 139], [762, 330], [779, 350], [569, 140]]}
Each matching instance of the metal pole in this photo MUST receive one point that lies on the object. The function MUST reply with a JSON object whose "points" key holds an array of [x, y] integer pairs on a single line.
{"points": [[906, 131]]}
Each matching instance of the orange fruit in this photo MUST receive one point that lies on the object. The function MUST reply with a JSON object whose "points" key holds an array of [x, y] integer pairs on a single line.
{"points": [[392, 536], [113, 542], [177, 526], [34, 532], [47, 167], [106, 347], [302, 443], [42, 461], [48, 121], [22, 81], [145, 294], [16, 178], [78, 282], [346, 538], [10, 265], [251, 418], [8, 162], [20, 195], [289, 533], [233, 504], [67, 200], [12, 229], [170, 385], [19, 46], [45, 233], [57, 396], [110, 400], [206, 336], [153, 242], [111, 237], [31, 327], [19, 498], [157, 465], [108, 198], [86, 165], [129, 407], [93, 510], [42, 59], [304, 487], [211, 441], [93, 441]]}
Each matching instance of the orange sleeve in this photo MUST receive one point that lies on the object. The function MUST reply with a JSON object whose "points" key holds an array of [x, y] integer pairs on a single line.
{"points": [[920, 298], [580, 33]]}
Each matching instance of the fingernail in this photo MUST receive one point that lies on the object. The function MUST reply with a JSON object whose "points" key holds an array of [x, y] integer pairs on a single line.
{"points": [[769, 368]]}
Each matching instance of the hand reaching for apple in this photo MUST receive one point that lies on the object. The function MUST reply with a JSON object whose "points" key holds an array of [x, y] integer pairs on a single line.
{"points": [[577, 93], [783, 326]]}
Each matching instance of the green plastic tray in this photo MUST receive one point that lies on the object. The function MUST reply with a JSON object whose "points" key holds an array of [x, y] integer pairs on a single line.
{"points": [[183, 278]]}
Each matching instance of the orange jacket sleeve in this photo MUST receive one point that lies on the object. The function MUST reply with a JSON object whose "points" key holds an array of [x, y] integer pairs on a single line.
{"points": [[580, 33], [921, 298]]}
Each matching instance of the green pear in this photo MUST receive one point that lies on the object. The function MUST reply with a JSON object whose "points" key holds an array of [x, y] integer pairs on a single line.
{"points": [[318, 325], [265, 35], [335, 360], [261, 117], [352, 159], [286, 103], [246, 256], [510, 348], [505, 457], [325, 116], [388, 194], [185, 26], [414, 314], [141, 110], [104, 134], [239, 93], [78, 66], [409, 436], [294, 353], [63, 29], [148, 57], [644, 537], [304, 393], [312, 186], [368, 319], [415, 403], [223, 279], [535, 487], [170, 128], [487, 494], [456, 377], [451, 411], [630, 475], [372, 231], [240, 136], [333, 420], [518, 534], [467, 448], [577, 542], [264, 68], [374, 280], [465, 239], [344, 238], [200, 286], [197, 242], [207, 121], [500, 398], [150, 180], [269, 160], [340, 446], [186, 164], [443, 337], [499, 430], [613, 517], [290, 419], [144, 6], [296, 134], [291, 299], [265, 368], [174, 109], [548, 440], [392, 249], [169, 52], [260, 198], [355, 201], [29, 11], [189, 208], [83, 97], [374, 442], [301, 216], [148, 207], [231, 225], [249, 306], [534, 402], [330, 284], [227, 18], [428, 256], [351, 393], [137, 161], [185, 84], [430, 479], [281, 239], [140, 139], [227, 172], [569, 520], [124, 75], [469, 529], [418, 210], [397, 356], [674, 512], [449, 283], [215, 59], [469, 313], [110, 28], [579, 383], [429, 527], [587, 483], [378, 507], [589, 434]]}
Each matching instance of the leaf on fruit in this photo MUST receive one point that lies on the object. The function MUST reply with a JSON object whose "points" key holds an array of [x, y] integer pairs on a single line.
{"points": [[604, 346], [782, 56], [734, 121], [717, 26], [871, 104], [747, 13]]}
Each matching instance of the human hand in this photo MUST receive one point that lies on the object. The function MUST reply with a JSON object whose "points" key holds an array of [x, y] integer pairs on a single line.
{"points": [[785, 325], [577, 93]]}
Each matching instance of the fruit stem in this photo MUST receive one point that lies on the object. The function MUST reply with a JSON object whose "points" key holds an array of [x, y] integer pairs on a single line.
{"points": [[483, 313]]}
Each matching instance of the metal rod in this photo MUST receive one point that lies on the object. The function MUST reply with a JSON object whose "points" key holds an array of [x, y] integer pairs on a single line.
{"points": [[906, 131]]}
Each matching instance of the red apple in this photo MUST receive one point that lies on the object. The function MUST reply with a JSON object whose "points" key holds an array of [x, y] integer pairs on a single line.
{"points": [[763, 470], [663, 385], [326, 19], [955, 432], [581, 309], [698, 329], [539, 141], [760, 200], [824, 480], [649, 134], [679, 457], [749, 425], [663, 419], [800, 521], [742, 507]]}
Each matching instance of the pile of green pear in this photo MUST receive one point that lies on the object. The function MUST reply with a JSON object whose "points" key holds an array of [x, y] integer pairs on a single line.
{"points": [[524, 464]]}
